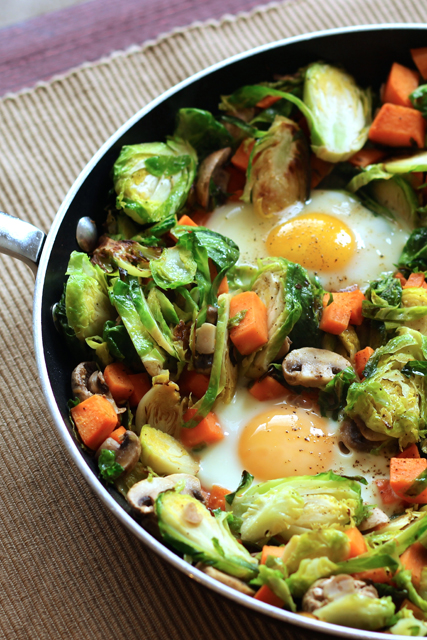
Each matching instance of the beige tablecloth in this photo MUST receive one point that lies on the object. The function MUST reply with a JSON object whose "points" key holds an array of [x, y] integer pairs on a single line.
{"points": [[68, 568]]}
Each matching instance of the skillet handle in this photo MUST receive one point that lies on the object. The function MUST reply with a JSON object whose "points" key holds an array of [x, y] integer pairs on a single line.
{"points": [[21, 240]]}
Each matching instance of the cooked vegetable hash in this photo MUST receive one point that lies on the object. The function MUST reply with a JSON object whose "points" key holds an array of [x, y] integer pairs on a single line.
{"points": [[250, 336]]}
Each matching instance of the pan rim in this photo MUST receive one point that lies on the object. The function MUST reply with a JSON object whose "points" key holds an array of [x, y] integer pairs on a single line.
{"points": [[70, 445]]}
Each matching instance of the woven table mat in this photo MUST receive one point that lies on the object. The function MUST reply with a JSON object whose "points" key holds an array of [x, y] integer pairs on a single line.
{"points": [[69, 569]]}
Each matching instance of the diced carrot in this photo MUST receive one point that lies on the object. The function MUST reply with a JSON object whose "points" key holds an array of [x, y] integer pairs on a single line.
{"points": [[237, 179], [267, 102], [418, 613], [187, 221], [361, 358], [380, 575], [415, 559], [223, 286], [398, 126], [216, 498], [319, 170], [236, 196], [141, 385], [265, 594], [403, 472], [117, 378], [365, 157], [268, 388], [415, 280], [416, 179], [357, 542], [208, 431], [193, 382], [118, 434], [386, 492], [252, 332], [200, 217], [303, 125], [410, 452], [419, 56], [401, 82], [335, 319], [400, 277], [270, 550], [349, 300], [95, 419], [242, 155]]}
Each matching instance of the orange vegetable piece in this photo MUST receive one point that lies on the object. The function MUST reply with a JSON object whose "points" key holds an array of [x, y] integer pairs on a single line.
{"points": [[236, 196], [268, 388], [141, 385], [223, 286], [357, 542], [252, 332], [400, 83], [117, 378], [208, 431], [200, 217], [95, 418], [400, 277], [343, 302], [335, 319], [365, 157], [398, 126], [386, 492], [118, 434], [415, 280], [193, 382], [265, 594], [319, 170], [267, 102], [410, 452], [237, 179], [415, 559], [267, 551], [419, 56], [416, 179], [187, 221], [380, 575], [216, 498], [360, 360], [403, 472], [242, 155]]}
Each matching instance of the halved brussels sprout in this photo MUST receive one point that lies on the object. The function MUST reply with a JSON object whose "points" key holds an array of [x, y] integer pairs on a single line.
{"points": [[165, 455], [162, 407], [415, 297], [278, 175], [358, 611], [152, 179], [385, 170], [190, 528]]}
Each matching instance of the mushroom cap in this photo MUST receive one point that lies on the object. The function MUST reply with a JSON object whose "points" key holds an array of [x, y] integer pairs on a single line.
{"points": [[143, 494], [312, 367]]}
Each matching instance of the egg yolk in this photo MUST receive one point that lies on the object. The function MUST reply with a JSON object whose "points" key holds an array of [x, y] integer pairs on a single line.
{"points": [[317, 241], [286, 441]]}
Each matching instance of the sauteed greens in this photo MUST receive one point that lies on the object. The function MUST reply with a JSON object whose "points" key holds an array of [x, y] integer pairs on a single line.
{"points": [[256, 304]]}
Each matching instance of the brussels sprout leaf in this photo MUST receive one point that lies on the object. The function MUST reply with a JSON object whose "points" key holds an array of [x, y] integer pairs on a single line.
{"points": [[202, 131], [109, 469], [414, 254], [334, 396], [419, 99], [166, 165]]}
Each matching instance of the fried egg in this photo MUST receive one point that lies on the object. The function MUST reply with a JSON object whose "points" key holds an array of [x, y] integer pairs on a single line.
{"points": [[278, 439], [333, 236]]}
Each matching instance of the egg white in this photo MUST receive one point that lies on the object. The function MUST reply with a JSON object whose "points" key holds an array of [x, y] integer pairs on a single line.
{"points": [[220, 464], [379, 241]]}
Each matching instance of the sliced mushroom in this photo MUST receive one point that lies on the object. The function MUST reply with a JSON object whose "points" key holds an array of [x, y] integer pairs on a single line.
{"points": [[210, 169], [161, 406], [311, 367], [327, 590], [351, 436], [229, 581], [127, 452], [205, 338], [109, 444], [372, 436], [143, 494], [80, 380], [376, 519]]}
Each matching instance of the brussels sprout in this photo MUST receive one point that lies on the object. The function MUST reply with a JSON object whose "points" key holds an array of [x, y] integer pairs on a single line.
{"points": [[295, 505], [163, 454], [278, 175], [330, 543], [286, 290], [190, 528], [333, 397], [86, 297], [129, 255], [408, 625], [397, 197], [415, 297], [275, 580], [162, 407], [386, 170], [358, 611], [174, 268], [308, 572], [152, 179], [200, 129], [414, 253], [387, 401], [403, 579]]}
